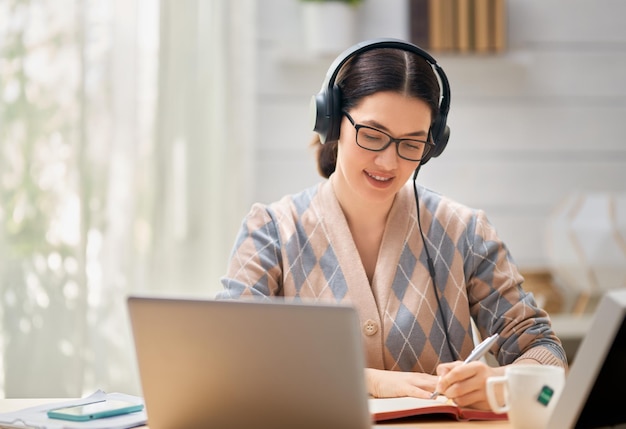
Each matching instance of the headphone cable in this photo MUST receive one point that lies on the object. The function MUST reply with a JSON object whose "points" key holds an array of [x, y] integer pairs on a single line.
{"points": [[431, 267]]}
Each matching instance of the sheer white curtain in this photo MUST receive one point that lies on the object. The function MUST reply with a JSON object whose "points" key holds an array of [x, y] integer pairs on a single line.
{"points": [[204, 135], [125, 130]]}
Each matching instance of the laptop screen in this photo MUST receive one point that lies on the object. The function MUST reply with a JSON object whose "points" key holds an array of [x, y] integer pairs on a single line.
{"points": [[603, 406], [589, 399]]}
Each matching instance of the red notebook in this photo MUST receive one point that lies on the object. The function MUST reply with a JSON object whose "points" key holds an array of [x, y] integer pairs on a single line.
{"points": [[395, 408]]}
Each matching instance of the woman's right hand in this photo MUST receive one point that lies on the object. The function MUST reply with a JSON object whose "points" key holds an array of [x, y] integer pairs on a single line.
{"points": [[392, 384]]}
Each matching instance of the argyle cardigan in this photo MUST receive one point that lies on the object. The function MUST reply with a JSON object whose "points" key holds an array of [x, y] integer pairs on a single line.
{"points": [[301, 248]]}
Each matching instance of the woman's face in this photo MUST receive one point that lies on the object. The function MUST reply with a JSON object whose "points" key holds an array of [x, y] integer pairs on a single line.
{"points": [[364, 176]]}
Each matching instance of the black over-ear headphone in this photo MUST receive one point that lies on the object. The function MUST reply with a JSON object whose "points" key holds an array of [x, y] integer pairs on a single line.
{"points": [[326, 105]]}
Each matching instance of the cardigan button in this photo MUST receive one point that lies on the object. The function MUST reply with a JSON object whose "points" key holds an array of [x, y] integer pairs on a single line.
{"points": [[370, 327]]}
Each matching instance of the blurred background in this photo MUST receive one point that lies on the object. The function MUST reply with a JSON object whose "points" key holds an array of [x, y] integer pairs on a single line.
{"points": [[135, 135]]}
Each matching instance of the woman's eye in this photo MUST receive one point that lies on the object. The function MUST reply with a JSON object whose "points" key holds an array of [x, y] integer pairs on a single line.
{"points": [[413, 146], [372, 136]]}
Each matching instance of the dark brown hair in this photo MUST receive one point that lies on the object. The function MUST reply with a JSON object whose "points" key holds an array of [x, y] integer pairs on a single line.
{"points": [[377, 70]]}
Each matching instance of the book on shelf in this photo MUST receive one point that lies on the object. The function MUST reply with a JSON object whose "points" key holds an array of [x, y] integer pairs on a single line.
{"points": [[482, 25], [420, 23], [448, 25], [435, 25], [464, 25], [499, 25], [383, 409]]}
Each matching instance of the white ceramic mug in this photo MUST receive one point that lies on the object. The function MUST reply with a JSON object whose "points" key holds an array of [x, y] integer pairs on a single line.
{"points": [[529, 393]]}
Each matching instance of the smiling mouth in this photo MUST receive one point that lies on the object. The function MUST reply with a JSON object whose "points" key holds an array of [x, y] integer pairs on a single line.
{"points": [[379, 178]]}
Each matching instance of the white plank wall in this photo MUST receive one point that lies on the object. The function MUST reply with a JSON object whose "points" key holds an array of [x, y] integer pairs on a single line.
{"points": [[529, 126]]}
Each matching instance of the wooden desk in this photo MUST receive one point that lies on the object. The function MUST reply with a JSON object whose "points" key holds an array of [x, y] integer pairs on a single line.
{"points": [[7, 405]]}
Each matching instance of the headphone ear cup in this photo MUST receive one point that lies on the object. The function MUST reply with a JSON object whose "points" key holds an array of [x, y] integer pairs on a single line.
{"points": [[441, 135], [326, 114], [441, 142], [319, 119], [334, 115]]}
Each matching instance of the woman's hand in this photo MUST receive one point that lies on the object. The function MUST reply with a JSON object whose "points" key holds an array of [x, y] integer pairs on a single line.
{"points": [[466, 384], [391, 384]]}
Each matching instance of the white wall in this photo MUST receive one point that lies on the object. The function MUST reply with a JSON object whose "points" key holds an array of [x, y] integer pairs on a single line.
{"points": [[544, 119]]}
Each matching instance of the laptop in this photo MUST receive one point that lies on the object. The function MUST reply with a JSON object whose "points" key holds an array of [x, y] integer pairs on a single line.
{"points": [[249, 364], [592, 397]]}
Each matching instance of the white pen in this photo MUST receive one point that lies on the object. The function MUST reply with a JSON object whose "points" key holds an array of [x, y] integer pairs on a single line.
{"points": [[478, 352]]}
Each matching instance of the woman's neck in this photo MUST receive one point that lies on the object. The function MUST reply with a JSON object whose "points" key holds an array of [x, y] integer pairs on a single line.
{"points": [[359, 213], [366, 222]]}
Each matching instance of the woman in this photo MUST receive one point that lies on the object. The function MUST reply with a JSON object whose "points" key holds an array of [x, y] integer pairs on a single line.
{"points": [[366, 235]]}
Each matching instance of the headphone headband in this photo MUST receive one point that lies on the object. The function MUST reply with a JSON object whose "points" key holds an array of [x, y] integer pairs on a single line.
{"points": [[326, 105]]}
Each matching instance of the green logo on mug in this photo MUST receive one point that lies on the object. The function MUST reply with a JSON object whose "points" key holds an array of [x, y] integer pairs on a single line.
{"points": [[545, 395]]}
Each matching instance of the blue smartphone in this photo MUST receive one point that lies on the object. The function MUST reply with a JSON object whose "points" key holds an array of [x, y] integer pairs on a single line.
{"points": [[95, 410]]}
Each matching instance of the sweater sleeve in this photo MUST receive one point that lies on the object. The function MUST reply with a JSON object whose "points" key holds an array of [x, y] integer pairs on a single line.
{"points": [[254, 268], [499, 303]]}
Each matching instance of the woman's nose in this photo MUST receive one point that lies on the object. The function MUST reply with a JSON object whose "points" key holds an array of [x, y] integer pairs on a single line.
{"points": [[388, 158]]}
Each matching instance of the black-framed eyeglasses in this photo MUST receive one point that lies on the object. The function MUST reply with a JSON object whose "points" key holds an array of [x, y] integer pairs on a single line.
{"points": [[373, 139]]}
